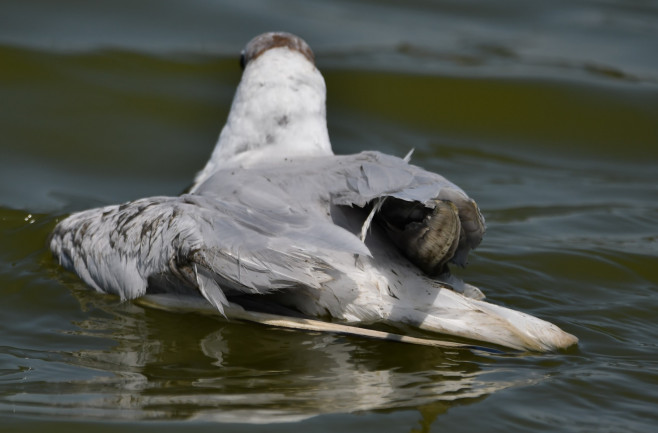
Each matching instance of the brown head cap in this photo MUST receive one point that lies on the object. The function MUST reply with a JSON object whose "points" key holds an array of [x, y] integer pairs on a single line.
{"points": [[264, 42]]}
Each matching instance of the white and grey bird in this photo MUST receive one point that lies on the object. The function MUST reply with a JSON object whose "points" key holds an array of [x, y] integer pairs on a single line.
{"points": [[278, 229]]}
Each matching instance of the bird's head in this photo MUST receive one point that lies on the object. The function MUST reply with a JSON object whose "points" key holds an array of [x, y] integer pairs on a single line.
{"points": [[278, 111], [268, 41]]}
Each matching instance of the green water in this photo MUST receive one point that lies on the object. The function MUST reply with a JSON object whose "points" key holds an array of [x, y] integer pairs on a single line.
{"points": [[546, 113]]}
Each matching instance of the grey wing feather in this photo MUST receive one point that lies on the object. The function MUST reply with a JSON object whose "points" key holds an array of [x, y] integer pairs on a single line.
{"points": [[213, 246], [248, 231], [394, 177], [351, 180], [110, 248]]}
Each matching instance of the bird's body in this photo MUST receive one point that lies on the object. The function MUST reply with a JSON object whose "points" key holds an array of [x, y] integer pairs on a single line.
{"points": [[275, 222]]}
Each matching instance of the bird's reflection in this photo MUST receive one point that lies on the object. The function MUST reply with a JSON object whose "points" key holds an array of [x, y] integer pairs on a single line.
{"points": [[181, 366]]}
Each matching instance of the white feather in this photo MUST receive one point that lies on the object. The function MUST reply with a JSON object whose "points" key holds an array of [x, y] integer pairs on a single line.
{"points": [[274, 214]]}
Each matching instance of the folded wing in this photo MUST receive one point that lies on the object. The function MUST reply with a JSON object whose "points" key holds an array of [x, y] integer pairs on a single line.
{"points": [[246, 231]]}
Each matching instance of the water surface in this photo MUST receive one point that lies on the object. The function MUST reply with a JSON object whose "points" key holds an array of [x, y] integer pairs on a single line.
{"points": [[545, 113]]}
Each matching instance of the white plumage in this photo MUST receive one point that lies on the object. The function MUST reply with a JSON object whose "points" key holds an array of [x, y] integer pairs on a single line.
{"points": [[272, 223]]}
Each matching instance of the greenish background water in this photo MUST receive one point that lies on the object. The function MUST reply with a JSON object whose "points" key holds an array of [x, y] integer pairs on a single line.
{"points": [[545, 112]]}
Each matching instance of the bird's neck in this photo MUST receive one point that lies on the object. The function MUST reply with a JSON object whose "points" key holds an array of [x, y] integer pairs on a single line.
{"points": [[278, 113]]}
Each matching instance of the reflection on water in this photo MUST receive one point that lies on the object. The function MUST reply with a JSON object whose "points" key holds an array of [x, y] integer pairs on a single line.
{"points": [[180, 366], [545, 112]]}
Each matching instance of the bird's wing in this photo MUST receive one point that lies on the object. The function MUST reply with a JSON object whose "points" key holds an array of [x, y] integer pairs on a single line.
{"points": [[310, 184], [197, 242], [371, 175], [247, 231]]}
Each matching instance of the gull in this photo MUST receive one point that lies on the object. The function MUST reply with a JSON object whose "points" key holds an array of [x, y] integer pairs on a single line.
{"points": [[279, 230]]}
